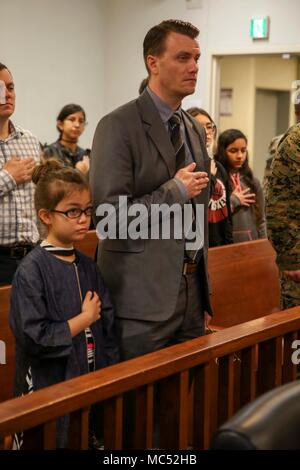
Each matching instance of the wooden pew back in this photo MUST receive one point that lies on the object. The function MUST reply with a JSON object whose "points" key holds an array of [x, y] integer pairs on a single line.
{"points": [[7, 362], [245, 282], [89, 244]]}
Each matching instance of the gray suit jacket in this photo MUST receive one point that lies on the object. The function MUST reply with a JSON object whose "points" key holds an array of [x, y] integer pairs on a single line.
{"points": [[132, 155]]}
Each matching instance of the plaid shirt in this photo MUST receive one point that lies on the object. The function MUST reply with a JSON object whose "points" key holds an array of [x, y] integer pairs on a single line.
{"points": [[18, 221]]}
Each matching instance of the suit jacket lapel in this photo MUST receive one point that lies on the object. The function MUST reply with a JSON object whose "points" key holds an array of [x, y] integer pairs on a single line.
{"points": [[195, 141], [155, 128]]}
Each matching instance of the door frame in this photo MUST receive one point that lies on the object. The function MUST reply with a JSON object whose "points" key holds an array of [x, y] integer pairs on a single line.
{"points": [[213, 82]]}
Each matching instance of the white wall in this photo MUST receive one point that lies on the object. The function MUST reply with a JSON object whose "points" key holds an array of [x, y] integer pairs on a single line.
{"points": [[224, 26], [129, 21], [238, 73], [55, 51], [229, 23], [90, 51]]}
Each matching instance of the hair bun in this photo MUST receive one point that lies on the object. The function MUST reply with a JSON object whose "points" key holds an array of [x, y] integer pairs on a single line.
{"points": [[45, 168]]}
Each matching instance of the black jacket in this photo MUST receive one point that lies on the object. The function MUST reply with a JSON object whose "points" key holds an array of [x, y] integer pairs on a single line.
{"points": [[219, 212]]}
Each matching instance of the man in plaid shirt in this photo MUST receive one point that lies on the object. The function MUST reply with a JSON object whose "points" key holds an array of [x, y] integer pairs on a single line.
{"points": [[19, 153]]}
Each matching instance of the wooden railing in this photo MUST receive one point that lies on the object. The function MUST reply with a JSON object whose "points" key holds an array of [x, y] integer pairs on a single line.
{"points": [[227, 369]]}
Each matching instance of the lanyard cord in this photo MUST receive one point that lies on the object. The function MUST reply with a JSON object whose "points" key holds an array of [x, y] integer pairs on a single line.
{"points": [[235, 178]]}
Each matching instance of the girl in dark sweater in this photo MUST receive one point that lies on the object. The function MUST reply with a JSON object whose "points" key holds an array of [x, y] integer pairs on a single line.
{"points": [[61, 313]]}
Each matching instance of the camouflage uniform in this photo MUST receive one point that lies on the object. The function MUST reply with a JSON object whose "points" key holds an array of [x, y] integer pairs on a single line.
{"points": [[283, 212], [272, 152]]}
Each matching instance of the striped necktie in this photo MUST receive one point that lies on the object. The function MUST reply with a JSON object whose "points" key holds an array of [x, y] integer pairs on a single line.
{"points": [[178, 144], [177, 140]]}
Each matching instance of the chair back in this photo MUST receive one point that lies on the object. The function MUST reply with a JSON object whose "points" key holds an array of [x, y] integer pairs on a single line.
{"points": [[271, 422]]}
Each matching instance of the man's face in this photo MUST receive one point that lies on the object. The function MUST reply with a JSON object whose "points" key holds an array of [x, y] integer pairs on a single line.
{"points": [[177, 68], [7, 109]]}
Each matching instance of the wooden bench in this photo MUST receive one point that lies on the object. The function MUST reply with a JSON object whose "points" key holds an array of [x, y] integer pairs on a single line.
{"points": [[229, 369], [245, 282], [244, 279], [7, 363], [89, 244]]}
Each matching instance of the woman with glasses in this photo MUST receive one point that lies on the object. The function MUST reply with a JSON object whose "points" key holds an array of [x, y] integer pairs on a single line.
{"points": [[219, 214], [71, 122]]}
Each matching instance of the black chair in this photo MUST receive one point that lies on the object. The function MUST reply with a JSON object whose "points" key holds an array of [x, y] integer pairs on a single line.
{"points": [[271, 422]]}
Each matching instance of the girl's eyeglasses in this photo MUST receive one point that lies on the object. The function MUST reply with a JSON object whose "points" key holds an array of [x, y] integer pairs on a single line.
{"points": [[76, 212], [210, 127]]}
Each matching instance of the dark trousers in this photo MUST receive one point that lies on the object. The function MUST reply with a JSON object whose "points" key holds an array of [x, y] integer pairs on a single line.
{"points": [[8, 267], [138, 337]]}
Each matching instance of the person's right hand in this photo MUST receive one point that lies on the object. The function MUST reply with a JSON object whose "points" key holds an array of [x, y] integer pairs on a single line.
{"points": [[20, 169], [91, 307], [245, 198], [83, 165], [194, 181], [294, 275]]}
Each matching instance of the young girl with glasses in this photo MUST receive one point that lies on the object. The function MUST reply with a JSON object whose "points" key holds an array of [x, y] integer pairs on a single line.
{"points": [[247, 200], [61, 313]]}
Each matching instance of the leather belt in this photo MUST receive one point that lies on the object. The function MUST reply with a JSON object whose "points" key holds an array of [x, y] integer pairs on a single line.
{"points": [[189, 267], [16, 252]]}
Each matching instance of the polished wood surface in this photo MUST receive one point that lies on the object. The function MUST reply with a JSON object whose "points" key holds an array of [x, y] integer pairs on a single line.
{"points": [[89, 244], [265, 342], [244, 281], [7, 369]]}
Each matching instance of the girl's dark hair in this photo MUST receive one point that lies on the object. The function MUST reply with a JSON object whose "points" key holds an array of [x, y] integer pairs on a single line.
{"points": [[67, 111], [54, 182], [225, 139], [195, 111], [3, 67], [143, 85]]}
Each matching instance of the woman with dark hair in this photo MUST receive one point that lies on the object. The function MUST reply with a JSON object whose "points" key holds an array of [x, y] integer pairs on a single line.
{"points": [[247, 200], [210, 128], [219, 214], [70, 124]]}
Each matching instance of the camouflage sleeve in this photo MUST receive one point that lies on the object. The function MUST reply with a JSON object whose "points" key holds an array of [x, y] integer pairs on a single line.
{"points": [[283, 201]]}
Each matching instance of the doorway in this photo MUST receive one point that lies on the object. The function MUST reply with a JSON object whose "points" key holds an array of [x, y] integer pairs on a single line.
{"points": [[259, 88], [272, 111]]}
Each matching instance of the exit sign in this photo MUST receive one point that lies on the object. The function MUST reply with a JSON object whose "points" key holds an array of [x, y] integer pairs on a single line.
{"points": [[259, 28]]}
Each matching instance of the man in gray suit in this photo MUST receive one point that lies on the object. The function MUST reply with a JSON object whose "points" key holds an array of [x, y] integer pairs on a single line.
{"points": [[153, 152]]}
